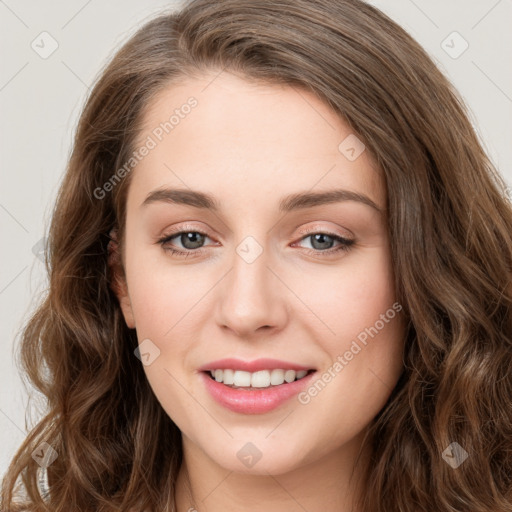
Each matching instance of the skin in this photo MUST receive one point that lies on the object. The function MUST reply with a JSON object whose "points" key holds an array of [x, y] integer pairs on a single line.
{"points": [[249, 145]]}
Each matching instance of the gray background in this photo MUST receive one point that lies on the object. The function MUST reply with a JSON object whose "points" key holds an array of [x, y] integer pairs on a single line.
{"points": [[41, 98]]}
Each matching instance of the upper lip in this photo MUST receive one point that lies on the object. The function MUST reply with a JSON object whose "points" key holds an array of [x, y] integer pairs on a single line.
{"points": [[252, 366]]}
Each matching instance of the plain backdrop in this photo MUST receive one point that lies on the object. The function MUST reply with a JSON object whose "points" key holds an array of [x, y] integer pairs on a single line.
{"points": [[41, 97]]}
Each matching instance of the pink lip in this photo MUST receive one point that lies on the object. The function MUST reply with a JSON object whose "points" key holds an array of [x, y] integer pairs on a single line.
{"points": [[257, 401], [252, 366]]}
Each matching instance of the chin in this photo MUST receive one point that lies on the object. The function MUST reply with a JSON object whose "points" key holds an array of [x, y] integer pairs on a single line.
{"points": [[259, 456]]}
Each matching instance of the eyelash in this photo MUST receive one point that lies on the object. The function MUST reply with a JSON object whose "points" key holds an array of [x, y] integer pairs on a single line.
{"points": [[345, 243]]}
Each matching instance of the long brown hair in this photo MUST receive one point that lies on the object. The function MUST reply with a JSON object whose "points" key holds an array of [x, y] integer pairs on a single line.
{"points": [[450, 228]]}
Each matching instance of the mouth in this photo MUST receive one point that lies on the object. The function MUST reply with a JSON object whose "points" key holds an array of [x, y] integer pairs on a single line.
{"points": [[252, 381], [256, 392]]}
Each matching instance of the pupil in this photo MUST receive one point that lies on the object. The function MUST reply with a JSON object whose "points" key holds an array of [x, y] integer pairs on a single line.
{"points": [[192, 237], [320, 237]]}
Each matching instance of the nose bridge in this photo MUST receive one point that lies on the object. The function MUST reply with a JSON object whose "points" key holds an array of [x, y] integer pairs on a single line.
{"points": [[250, 272], [249, 297]]}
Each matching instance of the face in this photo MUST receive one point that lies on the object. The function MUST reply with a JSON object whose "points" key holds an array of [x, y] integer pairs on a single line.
{"points": [[260, 273]]}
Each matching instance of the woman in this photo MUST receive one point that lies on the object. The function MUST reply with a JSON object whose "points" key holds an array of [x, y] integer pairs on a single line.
{"points": [[279, 278]]}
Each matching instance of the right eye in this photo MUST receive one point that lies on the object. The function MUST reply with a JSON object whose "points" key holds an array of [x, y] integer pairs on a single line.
{"points": [[191, 242]]}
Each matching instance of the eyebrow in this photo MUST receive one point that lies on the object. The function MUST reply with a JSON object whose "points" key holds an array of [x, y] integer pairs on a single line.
{"points": [[297, 201]]}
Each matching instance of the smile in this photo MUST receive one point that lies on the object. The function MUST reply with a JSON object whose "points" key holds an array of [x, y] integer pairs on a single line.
{"points": [[239, 379], [255, 400]]}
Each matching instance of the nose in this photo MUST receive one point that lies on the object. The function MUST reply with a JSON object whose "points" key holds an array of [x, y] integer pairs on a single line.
{"points": [[251, 299]]}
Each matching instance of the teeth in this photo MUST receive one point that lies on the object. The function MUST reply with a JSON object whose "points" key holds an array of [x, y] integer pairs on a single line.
{"points": [[259, 379], [242, 379], [228, 376]]}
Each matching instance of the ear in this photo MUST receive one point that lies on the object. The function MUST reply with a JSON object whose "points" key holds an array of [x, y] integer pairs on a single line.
{"points": [[118, 280]]}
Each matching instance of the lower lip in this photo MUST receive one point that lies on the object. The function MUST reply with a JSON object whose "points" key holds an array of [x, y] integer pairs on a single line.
{"points": [[256, 401]]}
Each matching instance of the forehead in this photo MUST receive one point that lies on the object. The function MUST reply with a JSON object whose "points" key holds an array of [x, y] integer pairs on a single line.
{"points": [[255, 138]]}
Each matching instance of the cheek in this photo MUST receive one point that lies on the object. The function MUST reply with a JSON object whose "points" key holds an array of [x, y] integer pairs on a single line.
{"points": [[365, 329], [158, 302], [351, 297], [161, 294]]}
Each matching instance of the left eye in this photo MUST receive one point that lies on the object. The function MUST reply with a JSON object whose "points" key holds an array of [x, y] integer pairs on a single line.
{"points": [[325, 241]]}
